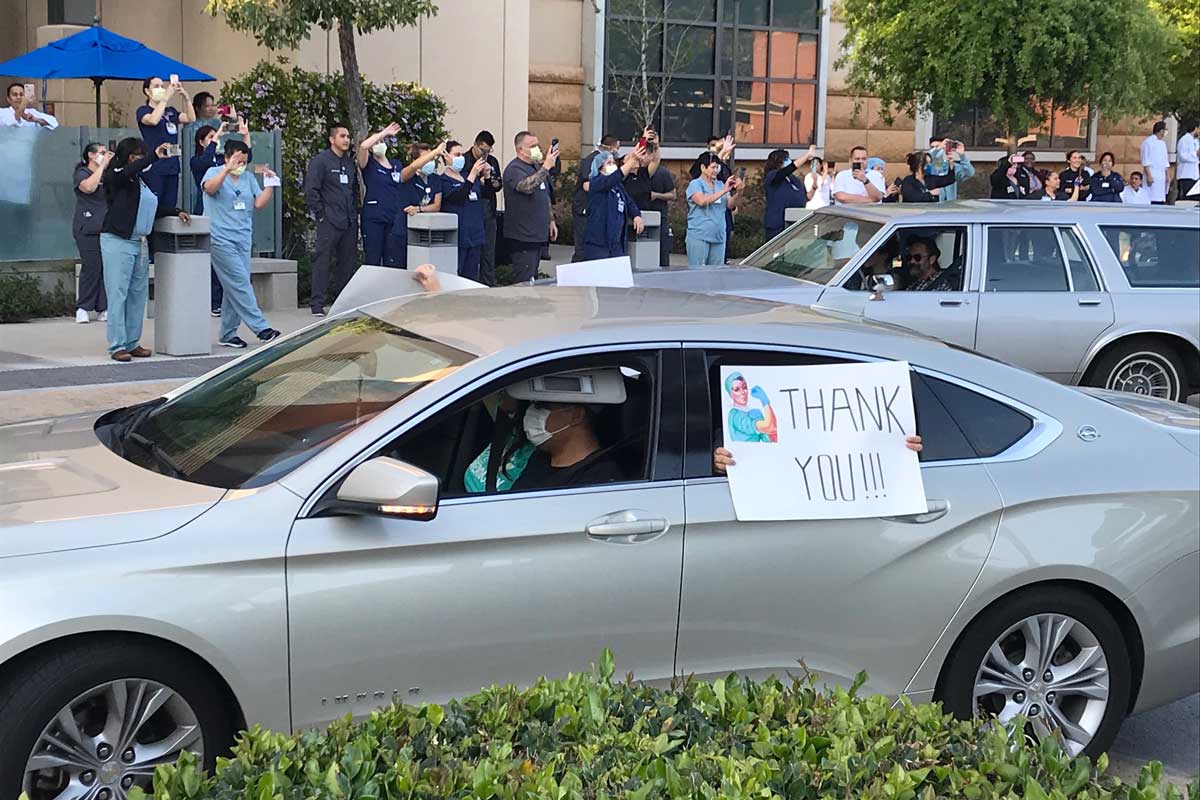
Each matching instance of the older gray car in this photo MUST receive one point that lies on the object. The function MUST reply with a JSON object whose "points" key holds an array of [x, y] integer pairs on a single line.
{"points": [[1097, 294], [375, 509]]}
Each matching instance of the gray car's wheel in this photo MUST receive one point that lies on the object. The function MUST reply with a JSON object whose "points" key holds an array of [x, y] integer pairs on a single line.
{"points": [[1141, 365], [89, 722], [1052, 654]]}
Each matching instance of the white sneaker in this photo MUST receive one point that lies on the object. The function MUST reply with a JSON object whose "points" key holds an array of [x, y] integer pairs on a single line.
{"points": [[103, 317], [81, 316]]}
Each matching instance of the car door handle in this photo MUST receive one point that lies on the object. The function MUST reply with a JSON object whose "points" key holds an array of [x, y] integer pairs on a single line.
{"points": [[627, 527], [1090, 302], [952, 303], [937, 510]]}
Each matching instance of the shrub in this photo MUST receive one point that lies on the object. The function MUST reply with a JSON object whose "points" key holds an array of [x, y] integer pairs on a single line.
{"points": [[586, 736], [22, 298], [303, 103]]}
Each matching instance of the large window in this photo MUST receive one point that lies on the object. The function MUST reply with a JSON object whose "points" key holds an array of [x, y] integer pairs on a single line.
{"points": [[1062, 130], [747, 67], [70, 12]]}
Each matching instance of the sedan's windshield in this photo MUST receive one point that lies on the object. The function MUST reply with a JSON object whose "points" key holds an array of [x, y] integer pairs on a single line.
{"points": [[816, 248], [257, 421]]}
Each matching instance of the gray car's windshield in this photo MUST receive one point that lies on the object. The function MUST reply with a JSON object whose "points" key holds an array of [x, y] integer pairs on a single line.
{"points": [[257, 421], [816, 248]]}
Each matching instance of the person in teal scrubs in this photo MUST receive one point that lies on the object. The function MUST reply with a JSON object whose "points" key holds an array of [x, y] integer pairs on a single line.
{"points": [[745, 424]]}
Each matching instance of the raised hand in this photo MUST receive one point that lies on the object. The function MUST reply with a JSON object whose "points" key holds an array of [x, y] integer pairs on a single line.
{"points": [[392, 129], [760, 394]]}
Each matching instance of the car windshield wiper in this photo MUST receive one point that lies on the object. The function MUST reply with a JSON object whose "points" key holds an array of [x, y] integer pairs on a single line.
{"points": [[157, 453]]}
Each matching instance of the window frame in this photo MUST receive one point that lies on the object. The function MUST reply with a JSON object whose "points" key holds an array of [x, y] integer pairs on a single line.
{"points": [[970, 266], [666, 466], [1052, 151], [1080, 240], [718, 78], [56, 14], [698, 420]]}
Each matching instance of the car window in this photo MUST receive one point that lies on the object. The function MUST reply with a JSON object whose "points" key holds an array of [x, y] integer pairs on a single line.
{"points": [[918, 259], [258, 420], [816, 248], [1024, 259], [991, 427], [941, 436], [1083, 277], [492, 442], [1156, 257]]}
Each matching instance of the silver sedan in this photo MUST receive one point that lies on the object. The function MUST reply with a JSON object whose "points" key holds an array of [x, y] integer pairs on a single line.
{"points": [[435, 493]]}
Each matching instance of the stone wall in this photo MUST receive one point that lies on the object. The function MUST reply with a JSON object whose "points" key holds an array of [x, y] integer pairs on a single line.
{"points": [[556, 106]]}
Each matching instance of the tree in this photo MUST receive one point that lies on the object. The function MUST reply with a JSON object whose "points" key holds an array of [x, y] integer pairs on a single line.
{"points": [[637, 28], [284, 24], [1015, 59], [1181, 96]]}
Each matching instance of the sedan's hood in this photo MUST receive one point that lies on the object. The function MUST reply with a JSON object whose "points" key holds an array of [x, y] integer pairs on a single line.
{"points": [[61, 489]]}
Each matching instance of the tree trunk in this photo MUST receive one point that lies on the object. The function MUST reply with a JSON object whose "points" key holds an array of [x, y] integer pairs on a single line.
{"points": [[353, 81]]}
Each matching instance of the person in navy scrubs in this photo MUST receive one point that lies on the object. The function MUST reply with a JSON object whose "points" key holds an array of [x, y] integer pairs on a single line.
{"points": [[159, 123], [463, 197], [382, 181], [784, 189], [1107, 185], [420, 193], [609, 205]]}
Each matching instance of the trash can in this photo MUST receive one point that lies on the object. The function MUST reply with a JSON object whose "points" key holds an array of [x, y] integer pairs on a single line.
{"points": [[433, 239], [643, 248], [182, 296]]}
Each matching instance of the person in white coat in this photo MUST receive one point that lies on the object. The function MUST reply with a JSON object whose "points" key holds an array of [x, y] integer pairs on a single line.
{"points": [[20, 113], [1134, 193], [1187, 160], [1155, 163]]}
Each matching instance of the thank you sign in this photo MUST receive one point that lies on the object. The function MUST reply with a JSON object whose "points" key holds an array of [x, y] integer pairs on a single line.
{"points": [[821, 441]]}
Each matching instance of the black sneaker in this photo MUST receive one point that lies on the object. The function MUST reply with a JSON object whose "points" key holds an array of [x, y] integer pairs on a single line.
{"points": [[318, 312], [235, 342], [269, 334], [216, 312]]}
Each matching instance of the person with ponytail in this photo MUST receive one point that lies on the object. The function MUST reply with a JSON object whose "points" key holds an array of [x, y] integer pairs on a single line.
{"points": [[89, 218], [381, 179]]}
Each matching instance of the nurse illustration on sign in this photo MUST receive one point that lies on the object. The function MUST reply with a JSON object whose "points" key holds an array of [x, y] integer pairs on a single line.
{"points": [[381, 178], [745, 424], [463, 197], [420, 193]]}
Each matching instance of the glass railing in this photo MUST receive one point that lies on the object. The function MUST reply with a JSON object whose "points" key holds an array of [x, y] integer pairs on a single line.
{"points": [[37, 197]]}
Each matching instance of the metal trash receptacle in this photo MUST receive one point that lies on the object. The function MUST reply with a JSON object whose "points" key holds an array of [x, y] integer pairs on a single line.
{"points": [[644, 248], [433, 239], [182, 291]]}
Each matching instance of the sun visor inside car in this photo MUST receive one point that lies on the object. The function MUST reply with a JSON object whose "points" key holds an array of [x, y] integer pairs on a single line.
{"points": [[586, 386]]}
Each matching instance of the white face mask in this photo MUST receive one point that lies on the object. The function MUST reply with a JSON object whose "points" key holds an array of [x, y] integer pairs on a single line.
{"points": [[609, 168], [535, 154], [238, 170], [535, 425], [380, 149], [158, 94]]}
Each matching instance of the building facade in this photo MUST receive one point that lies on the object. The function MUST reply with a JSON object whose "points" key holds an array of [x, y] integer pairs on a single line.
{"points": [[763, 70]]}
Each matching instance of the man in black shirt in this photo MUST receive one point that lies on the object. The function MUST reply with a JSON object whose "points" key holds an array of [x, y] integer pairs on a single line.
{"points": [[923, 273], [482, 148], [568, 451], [652, 187]]}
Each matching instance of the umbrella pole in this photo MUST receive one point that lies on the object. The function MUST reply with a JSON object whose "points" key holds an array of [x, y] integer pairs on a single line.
{"points": [[96, 83]]}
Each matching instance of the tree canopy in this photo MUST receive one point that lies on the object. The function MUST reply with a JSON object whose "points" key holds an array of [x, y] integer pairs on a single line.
{"points": [[1181, 94], [1015, 59]]}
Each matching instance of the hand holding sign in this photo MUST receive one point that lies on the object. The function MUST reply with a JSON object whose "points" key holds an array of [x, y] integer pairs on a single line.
{"points": [[840, 442]]}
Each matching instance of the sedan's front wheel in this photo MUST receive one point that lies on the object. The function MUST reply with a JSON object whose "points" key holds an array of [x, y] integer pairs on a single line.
{"points": [[90, 722], [1051, 654]]}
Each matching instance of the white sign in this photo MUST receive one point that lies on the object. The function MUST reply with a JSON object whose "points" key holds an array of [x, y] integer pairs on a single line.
{"points": [[821, 441], [616, 272], [271, 181]]}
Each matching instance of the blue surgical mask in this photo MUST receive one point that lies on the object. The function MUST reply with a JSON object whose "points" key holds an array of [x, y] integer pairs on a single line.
{"points": [[429, 168], [457, 163]]}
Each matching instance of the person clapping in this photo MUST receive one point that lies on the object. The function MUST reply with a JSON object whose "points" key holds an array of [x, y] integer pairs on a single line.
{"points": [[463, 197], [609, 204]]}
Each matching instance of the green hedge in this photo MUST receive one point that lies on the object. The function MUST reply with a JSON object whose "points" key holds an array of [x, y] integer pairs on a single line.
{"points": [[22, 298], [586, 736]]}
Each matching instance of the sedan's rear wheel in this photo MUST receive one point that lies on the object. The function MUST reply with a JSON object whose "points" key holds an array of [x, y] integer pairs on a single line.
{"points": [[93, 721], [1142, 365], [1053, 655]]}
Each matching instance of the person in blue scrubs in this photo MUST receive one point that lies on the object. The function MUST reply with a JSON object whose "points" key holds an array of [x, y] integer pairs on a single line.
{"points": [[159, 123], [708, 198], [784, 190], [208, 139], [381, 178], [1106, 184], [233, 196], [609, 205], [420, 193], [463, 197]]}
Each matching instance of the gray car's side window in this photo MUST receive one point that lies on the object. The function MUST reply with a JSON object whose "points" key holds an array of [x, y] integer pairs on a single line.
{"points": [[1083, 276], [1024, 259], [925, 258], [1156, 257]]}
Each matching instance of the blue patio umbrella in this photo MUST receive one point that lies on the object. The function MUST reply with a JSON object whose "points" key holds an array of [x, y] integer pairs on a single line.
{"points": [[100, 55]]}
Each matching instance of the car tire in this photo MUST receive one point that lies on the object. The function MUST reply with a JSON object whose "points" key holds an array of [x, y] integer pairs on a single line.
{"points": [[1093, 626], [1139, 365], [34, 693]]}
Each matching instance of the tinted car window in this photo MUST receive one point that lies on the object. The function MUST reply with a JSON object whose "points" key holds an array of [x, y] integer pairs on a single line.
{"points": [[990, 426], [1024, 260], [816, 248], [1082, 276], [947, 243], [1156, 257]]}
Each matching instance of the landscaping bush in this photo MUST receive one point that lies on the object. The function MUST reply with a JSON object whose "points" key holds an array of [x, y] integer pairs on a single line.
{"points": [[586, 736], [303, 103], [22, 298]]}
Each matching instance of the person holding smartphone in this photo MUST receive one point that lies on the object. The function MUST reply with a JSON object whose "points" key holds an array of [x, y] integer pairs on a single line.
{"points": [[1008, 180], [709, 200], [609, 205], [159, 123], [90, 209], [858, 184], [949, 157], [783, 189]]}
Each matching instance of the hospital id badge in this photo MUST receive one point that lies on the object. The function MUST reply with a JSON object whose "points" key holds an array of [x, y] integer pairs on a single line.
{"points": [[620, 206], [343, 178], [172, 129], [395, 177], [543, 186], [473, 196], [240, 205]]}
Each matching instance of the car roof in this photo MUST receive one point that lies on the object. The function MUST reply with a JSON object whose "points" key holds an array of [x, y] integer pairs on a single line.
{"points": [[486, 321], [1015, 211]]}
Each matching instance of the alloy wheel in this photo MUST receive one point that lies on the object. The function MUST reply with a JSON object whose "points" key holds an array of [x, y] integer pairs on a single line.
{"points": [[109, 739], [1145, 374], [1051, 669]]}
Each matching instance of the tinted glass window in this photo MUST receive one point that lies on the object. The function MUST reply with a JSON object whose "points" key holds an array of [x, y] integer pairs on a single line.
{"points": [[990, 426], [815, 248], [918, 259], [1024, 260], [1082, 276], [1156, 257]]}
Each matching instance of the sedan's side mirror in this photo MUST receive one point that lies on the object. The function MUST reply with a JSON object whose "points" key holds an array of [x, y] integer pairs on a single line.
{"points": [[880, 284], [389, 487]]}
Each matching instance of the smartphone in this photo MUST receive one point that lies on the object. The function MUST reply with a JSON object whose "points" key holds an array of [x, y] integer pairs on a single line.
{"points": [[859, 165], [174, 150], [553, 143], [1017, 159], [30, 92], [174, 79], [642, 142]]}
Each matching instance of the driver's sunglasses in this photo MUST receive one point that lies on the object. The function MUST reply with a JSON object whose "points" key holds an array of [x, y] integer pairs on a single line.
{"points": [[917, 257]]}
